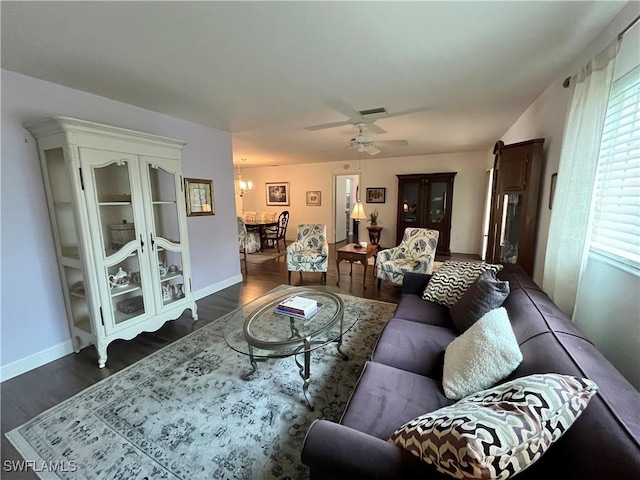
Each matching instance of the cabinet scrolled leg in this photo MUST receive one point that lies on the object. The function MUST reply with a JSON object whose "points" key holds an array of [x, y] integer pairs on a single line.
{"points": [[77, 344], [194, 311], [102, 355]]}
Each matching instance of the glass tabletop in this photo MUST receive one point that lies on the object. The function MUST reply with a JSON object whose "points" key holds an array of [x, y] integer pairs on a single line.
{"points": [[257, 329]]}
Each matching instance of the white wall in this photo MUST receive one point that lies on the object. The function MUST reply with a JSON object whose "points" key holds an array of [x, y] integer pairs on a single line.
{"points": [[603, 309], [468, 192], [33, 319]]}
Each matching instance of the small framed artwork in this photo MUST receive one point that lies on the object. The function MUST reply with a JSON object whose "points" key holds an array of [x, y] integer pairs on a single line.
{"points": [[376, 195], [277, 193], [199, 197], [314, 198], [552, 189]]}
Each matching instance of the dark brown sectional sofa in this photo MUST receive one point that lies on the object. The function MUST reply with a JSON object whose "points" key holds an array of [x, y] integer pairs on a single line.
{"points": [[403, 380]]}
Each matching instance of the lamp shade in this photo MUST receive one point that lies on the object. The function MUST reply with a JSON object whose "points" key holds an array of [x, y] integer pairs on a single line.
{"points": [[358, 212]]}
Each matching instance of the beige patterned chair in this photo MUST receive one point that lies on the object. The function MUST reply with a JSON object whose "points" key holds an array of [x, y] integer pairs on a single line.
{"points": [[266, 217], [242, 241], [415, 253], [310, 251], [252, 243]]}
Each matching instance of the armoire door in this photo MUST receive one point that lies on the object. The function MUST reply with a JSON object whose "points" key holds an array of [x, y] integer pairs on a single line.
{"points": [[410, 205], [439, 193], [164, 196], [117, 224]]}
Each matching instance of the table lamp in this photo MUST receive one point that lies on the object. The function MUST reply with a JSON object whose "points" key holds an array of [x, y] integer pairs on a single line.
{"points": [[357, 214]]}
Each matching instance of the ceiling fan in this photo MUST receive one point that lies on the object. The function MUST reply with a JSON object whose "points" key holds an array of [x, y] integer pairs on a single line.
{"points": [[364, 143], [368, 116]]}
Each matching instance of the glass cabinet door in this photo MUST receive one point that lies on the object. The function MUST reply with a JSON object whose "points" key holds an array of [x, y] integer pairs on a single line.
{"points": [[116, 222], [510, 227], [410, 202], [166, 198], [437, 202]]}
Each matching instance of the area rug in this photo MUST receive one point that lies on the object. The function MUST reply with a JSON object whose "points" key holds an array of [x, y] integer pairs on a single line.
{"points": [[184, 413], [262, 257]]}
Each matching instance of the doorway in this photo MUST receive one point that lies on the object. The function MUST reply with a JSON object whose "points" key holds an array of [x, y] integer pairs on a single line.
{"points": [[344, 199]]}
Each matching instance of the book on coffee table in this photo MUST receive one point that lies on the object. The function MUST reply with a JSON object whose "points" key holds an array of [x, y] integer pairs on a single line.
{"points": [[296, 306]]}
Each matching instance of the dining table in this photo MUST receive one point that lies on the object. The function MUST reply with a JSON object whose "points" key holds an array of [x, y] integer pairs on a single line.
{"points": [[261, 228]]}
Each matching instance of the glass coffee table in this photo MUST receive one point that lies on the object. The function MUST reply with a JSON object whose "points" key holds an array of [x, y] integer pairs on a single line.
{"points": [[258, 331]]}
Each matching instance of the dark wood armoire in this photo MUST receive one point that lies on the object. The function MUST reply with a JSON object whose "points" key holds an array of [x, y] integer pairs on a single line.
{"points": [[515, 201], [425, 200]]}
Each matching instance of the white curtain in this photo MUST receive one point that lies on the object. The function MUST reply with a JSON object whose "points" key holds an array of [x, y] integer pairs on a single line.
{"points": [[567, 246]]}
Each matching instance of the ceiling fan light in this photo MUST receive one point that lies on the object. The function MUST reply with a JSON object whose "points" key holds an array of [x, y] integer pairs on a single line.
{"points": [[371, 150]]}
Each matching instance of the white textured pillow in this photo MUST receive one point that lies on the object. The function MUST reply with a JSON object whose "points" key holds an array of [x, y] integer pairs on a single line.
{"points": [[452, 279], [483, 355]]}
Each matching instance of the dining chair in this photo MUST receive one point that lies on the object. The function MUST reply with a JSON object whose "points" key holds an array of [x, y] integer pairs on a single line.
{"points": [[242, 241], [279, 232]]}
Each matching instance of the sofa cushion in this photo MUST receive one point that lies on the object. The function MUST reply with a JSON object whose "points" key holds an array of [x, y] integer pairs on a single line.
{"points": [[498, 432], [386, 397], [414, 347], [481, 356], [452, 279], [486, 293], [412, 307]]}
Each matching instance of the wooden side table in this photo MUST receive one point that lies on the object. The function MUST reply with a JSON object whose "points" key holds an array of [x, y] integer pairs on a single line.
{"points": [[374, 235], [352, 254]]}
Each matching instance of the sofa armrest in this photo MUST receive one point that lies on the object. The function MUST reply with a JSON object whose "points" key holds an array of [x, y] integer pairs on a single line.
{"points": [[334, 451], [415, 283]]}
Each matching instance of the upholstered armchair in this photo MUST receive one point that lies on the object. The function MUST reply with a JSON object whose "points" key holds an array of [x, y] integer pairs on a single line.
{"points": [[415, 253], [309, 252]]}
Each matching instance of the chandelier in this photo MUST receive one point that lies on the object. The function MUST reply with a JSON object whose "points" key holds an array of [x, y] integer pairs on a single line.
{"points": [[243, 186]]}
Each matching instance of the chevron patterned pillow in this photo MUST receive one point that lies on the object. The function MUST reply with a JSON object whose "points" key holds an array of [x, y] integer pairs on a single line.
{"points": [[452, 279], [498, 432]]}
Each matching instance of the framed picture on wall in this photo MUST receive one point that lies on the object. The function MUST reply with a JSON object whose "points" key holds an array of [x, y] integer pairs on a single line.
{"points": [[314, 198], [376, 195], [199, 197], [277, 193]]}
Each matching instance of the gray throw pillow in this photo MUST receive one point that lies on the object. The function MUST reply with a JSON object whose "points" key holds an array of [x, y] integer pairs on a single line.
{"points": [[486, 293]]}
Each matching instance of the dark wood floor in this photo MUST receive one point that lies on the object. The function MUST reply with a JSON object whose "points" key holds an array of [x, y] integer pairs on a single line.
{"points": [[31, 393]]}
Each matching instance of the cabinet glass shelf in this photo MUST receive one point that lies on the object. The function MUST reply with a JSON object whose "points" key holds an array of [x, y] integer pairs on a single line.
{"points": [[117, 291]]}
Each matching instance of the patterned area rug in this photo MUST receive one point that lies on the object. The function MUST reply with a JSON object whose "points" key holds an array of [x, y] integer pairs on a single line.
{"points": [[184, 413], [261, 257]]}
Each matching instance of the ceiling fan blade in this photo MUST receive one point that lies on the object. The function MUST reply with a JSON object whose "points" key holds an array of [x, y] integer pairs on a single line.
{"points": [[344, 108], [371, 150], [372, 127], [410, 111], [393, 143], [327, 125]]}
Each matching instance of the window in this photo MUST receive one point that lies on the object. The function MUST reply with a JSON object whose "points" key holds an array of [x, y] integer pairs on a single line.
{"points": [[616, 207]]}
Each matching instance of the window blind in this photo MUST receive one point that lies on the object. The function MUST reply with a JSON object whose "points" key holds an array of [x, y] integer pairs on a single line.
{"points": [[616, 207]]}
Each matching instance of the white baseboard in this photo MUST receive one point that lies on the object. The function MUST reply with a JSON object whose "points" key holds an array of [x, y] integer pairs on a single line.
{"points": [[35, 360], [50, 354], [216, 287]]}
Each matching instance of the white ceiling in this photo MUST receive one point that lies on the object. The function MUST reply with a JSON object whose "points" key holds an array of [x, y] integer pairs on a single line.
{"points": [[265, 70]]}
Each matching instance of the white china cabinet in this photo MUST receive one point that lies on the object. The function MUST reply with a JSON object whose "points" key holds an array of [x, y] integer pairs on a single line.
{"points": [[117, 210]]}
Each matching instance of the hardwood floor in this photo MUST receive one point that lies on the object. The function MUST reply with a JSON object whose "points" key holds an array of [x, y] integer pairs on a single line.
{"points": [[31, 393]]}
